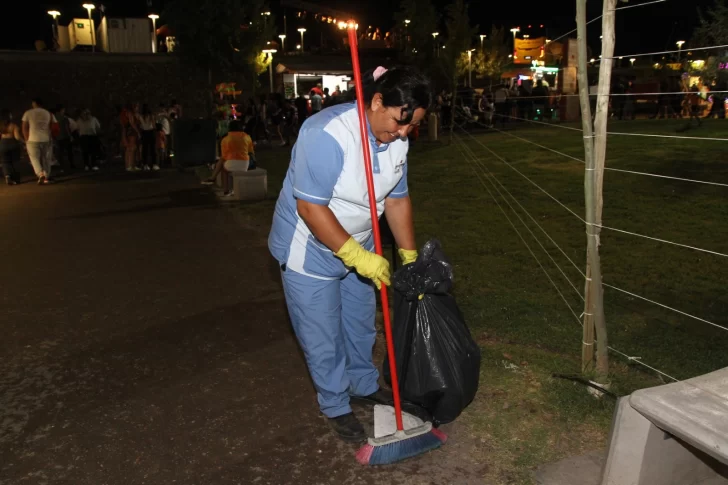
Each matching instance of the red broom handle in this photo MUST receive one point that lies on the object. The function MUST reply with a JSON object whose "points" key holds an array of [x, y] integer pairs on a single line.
{"points": [[375, 217]]}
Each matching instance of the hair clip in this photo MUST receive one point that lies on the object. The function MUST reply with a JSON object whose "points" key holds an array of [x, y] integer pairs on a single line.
{"points": [[378, 72]]}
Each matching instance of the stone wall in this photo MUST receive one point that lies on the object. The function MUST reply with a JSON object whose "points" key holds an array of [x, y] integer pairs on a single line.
{"points": [[100, 82]]}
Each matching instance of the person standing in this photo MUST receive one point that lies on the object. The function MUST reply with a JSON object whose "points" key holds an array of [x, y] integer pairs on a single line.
{"points": [[89, 130], [37, 133], [10, 143], [302, 109], [64, 141], [316, 102], [321, 236], [129, 136], [147, 126]]}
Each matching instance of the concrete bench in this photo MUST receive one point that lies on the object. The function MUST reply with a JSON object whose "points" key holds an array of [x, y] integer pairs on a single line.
{"points": [[250, 185], [676, 434]]}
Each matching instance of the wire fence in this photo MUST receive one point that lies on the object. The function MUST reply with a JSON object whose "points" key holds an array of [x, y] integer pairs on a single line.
{"points": [[500, 194], [527, 227]]}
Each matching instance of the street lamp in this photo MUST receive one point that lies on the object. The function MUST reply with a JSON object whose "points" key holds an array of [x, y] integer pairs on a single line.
{"points": [[514, 31], [482, 36], [679, 47], [437, 46], [470, 67], [270, 52], [55, 14], [632, 61], [302, 30], [406, 35], [154, 18], [283, 42], [89, 7], [265, 15]]}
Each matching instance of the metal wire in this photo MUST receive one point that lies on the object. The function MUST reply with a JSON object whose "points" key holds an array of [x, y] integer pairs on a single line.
{"points": [[477, 173], [664, 306], [648, 174], [581, 218], [670, 52], [492, 175], [638, 360]]}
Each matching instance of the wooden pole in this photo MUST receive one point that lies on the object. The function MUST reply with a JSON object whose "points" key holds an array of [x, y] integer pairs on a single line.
{"points": [[587, 346], [595, 146], [600, 153]]}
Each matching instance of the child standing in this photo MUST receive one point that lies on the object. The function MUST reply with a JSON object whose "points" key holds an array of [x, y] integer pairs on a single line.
{"points": [[161, 145]]}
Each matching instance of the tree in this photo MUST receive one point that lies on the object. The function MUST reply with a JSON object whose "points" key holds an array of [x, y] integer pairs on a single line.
{"points": [[495, 54], [221, 36], [459, 40], [420, 48], [713, 30]]}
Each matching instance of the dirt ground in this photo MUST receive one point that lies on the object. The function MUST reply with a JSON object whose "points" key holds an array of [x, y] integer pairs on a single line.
{"points": [[145, 341]]}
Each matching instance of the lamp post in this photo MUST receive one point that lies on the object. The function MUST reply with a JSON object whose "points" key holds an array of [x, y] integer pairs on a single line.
{"points": [[514, 31], [89, 7], [406, 35], [679, 48], [265, 15], [283, 42], [482, 37], [154, 18], [437, 46], [55, 14], [270, 52], [632, 61], [470, 68], [302, 31]]}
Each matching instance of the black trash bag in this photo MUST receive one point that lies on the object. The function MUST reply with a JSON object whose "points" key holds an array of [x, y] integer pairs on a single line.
{"points": [[438, 362]]}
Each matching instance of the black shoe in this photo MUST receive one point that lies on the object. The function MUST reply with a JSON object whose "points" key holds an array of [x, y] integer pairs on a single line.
{"points": [[381, 396], [348, 428]]}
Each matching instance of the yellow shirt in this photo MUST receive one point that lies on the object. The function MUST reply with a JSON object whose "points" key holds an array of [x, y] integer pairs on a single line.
{"points": [[236, 146]]}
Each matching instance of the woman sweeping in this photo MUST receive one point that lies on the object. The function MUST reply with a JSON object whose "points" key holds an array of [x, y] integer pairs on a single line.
{"points": [[322, 236]]}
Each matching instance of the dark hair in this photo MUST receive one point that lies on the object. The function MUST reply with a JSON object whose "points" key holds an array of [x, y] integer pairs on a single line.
{"points": [[5, 119], [37, 101], [236, 125], [60, 107], [145, 110], [158, 126], [403, 86]]}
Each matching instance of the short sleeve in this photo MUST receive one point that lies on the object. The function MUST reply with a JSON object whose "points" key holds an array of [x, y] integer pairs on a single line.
{"points": [[318, 160], [401, 190], [25, 117]]}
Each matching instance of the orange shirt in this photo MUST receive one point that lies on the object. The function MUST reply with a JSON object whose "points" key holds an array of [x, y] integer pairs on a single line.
{"points": [[236, 146]]}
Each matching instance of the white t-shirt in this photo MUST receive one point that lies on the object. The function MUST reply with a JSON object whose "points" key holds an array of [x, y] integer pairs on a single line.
{"points": [[39, 120], [88, 127]]}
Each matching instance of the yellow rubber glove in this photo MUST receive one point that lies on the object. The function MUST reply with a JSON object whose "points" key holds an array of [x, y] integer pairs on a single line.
{"points": [[366, 263], [407, 256]]}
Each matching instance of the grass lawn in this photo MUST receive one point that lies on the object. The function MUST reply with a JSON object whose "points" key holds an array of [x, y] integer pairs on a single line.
{"points": [[522, 416]]}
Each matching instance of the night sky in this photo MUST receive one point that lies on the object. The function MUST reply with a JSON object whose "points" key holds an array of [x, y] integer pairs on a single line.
{"points": [[642, 29]]}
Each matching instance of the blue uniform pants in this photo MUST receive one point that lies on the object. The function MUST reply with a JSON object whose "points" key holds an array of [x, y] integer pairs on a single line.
{"points": [[334, 323]]}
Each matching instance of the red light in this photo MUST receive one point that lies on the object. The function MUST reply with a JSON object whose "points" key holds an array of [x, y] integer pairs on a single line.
{"points": [[529, 26], [542, 26]]}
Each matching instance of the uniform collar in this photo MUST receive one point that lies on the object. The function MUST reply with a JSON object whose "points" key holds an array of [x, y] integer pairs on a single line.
{"points": [[373, 139]]}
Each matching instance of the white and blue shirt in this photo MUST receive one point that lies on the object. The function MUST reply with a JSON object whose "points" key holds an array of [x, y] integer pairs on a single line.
{"points": [[327, 168]]}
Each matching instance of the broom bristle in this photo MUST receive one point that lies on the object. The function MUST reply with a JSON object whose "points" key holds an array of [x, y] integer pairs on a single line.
{"points": [[400, 450]]}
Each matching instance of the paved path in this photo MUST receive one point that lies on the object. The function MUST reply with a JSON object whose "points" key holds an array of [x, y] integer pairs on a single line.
{"points": [[145, 341]]}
